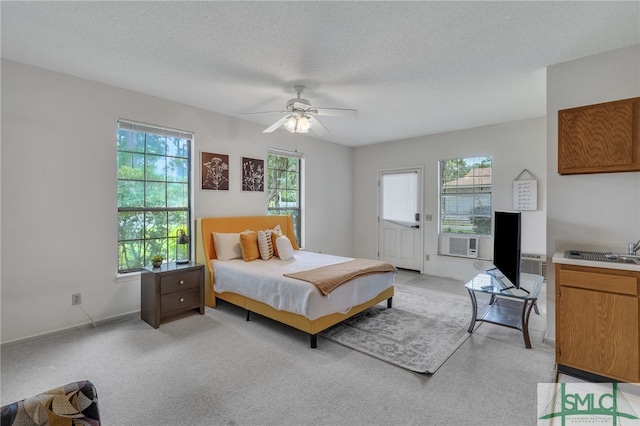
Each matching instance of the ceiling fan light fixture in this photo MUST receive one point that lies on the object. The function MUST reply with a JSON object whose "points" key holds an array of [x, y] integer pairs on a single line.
{"points": [[297, 123], [300, 115], [290, 124], [303, 124]]}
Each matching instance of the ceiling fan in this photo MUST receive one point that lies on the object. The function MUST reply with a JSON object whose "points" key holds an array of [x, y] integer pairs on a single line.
{"points": [[300, 115]]}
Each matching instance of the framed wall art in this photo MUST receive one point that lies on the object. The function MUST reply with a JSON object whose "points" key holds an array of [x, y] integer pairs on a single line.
{"points": [[525, 192], [252, 174], [215, 171]]}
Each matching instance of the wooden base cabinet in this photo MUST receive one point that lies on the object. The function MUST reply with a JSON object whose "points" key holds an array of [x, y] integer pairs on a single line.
{"points": [[597, 321]]}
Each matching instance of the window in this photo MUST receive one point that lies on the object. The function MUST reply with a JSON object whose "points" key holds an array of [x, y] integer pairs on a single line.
{"points": [[465, 196], [284, 171], [154, 193]]}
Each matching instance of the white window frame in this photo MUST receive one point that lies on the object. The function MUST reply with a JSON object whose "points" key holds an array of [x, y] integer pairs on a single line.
{"points": [[473, 186], [169, 252], [296, 211]]}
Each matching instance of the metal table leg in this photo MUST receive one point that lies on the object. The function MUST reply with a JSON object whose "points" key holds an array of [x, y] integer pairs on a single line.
{"points": [[527, 306], [474, 307]]}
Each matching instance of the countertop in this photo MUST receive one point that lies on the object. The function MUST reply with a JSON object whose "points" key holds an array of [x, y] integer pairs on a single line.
{"points": [[558, 257]]}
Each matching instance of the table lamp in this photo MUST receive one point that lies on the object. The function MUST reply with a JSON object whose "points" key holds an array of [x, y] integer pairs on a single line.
{"points": [[182, 247]]}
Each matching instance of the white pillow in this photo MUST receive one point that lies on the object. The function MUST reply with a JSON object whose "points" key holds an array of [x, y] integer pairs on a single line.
{"points": [[265, 246], [285, 249], [227, 245]]}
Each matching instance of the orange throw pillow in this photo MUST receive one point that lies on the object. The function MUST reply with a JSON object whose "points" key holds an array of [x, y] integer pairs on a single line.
{"points": [[275, 233], [249, 245]]}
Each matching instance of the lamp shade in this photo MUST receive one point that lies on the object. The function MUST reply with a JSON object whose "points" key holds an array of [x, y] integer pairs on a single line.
{"points": [[182, 237], [290, 124], [303, 124]]}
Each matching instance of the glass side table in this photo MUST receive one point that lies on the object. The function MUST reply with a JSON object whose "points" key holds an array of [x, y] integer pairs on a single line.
{"points": [[509, 306]]}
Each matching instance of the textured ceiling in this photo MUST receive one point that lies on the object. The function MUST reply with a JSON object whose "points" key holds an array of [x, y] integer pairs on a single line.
{"points": [[409, 68]]}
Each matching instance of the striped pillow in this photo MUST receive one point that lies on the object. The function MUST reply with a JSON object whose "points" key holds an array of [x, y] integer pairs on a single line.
{"points": [[265, 245]]}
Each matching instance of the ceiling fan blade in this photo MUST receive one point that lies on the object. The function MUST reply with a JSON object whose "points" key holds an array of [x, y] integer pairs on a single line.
{"points": [[265, 112], [317, 126], [275, 125], [335, 112]]}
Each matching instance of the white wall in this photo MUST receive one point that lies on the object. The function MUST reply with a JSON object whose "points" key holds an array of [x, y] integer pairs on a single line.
{"points": [[58, 177], [597, 208], [58, 198], [514, 147]]}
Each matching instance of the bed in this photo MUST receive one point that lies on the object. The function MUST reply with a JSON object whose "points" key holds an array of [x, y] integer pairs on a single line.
{"points": [[291, 301]]}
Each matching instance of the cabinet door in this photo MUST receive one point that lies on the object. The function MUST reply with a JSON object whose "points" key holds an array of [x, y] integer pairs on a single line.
{"points": [[599, 138], [599, 333]]}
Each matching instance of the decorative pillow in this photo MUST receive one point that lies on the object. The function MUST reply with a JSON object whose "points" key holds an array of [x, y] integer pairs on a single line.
{"points": [[227, 245], [74, 403], [275, 233], [249, 245], [265, 245], [285, 249]]}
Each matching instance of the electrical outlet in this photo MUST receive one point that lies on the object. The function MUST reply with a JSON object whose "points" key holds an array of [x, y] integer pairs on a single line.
{"points": [[76, 299], [427, 257]]}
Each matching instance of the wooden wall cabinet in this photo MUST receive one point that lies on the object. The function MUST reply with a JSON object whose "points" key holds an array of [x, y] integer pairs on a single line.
{"points": [[597, 321], [601, 138]]}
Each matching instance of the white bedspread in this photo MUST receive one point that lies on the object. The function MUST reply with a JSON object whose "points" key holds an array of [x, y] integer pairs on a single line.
{"points": [[263, 280]]}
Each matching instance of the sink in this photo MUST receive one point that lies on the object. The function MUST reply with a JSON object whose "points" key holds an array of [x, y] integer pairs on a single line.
{"points": [[630, 259], [624, 258]]}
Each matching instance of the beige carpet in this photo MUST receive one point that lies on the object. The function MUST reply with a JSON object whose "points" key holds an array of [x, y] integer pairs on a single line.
{"points": [[419, 333], [219, 369]]}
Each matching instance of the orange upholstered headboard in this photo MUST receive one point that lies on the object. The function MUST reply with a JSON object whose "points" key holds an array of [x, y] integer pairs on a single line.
{"points": [[205, 249]]}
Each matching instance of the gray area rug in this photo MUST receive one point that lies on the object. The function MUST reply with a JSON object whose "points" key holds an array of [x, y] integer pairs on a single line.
{"points": [[419, 333]]}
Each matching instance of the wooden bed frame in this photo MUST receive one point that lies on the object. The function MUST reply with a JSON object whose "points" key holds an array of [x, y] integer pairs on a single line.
{"points": [[205, 251]]}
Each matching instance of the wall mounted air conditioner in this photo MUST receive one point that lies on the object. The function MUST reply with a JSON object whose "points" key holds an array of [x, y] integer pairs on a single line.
{"points": [[463, 246], [533, 264]]}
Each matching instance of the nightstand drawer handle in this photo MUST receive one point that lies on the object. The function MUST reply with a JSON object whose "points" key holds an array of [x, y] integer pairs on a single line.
{"points": [[181, 282], [181, 299]]}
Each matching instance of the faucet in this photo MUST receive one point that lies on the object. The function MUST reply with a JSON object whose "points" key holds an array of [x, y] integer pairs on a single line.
{"points": [[633, 248]]}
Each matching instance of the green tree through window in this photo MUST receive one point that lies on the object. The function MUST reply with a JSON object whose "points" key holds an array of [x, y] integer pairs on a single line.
{"points": [[284, 188], [154, 193]]}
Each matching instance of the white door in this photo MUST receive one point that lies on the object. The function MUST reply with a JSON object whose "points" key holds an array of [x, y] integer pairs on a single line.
{"points": [[400, 213]]}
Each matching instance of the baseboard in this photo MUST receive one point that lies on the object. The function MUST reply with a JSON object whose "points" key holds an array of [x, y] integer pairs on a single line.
{"points": [[550, 340], [69, 329], [585, 375]]}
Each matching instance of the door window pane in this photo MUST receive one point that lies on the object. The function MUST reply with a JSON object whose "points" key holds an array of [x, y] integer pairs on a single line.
{"points": [[400, 198]]}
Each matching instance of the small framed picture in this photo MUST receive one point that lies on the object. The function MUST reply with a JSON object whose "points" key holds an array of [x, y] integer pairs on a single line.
{"points": [[252, 174], [215, 171]]}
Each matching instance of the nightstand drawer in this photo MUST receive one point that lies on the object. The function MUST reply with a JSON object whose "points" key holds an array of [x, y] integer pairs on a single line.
{"points": [[180, 300], [177, 282]]}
